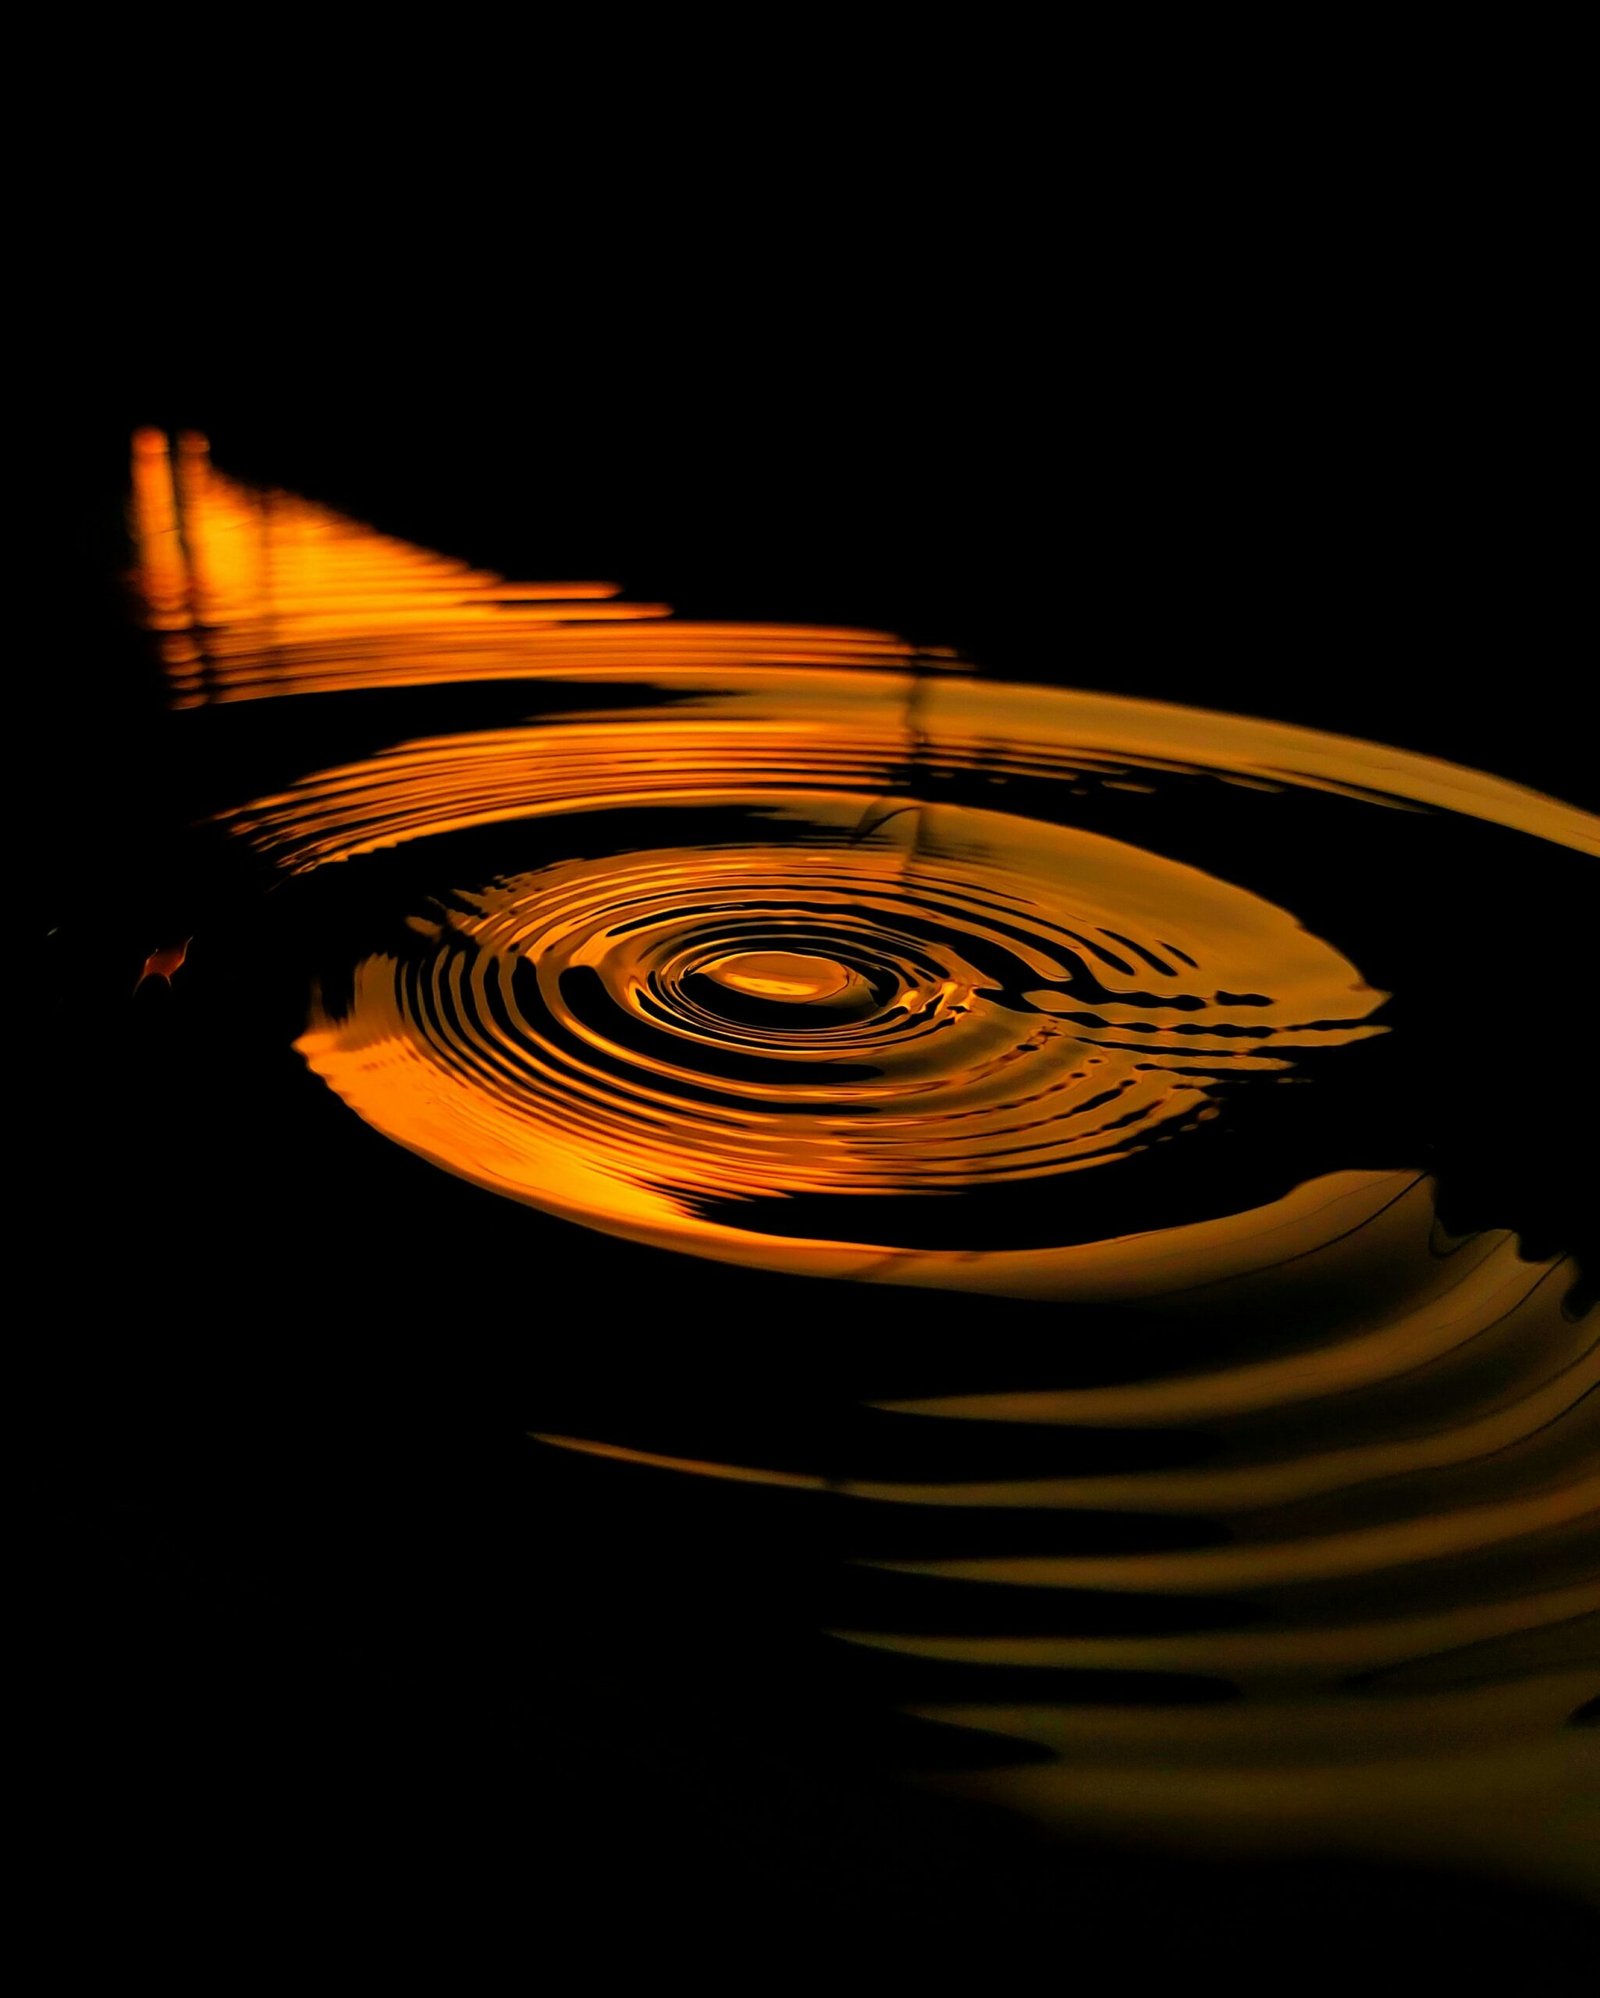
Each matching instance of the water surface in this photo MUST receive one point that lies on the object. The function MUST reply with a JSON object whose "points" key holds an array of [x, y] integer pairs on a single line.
{"points": [[1180, 1119]]}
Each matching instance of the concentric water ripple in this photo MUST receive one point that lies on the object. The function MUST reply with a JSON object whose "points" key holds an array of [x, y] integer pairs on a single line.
{"points": [[954, 1003], [809, 952]]}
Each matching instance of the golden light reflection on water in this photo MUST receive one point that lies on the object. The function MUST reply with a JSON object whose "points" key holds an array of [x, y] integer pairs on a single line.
{"points": [[258, 595], [804, 956], [582, 1036]]}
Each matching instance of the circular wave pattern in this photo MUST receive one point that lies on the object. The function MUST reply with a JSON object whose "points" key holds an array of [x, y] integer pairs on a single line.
{"points": [[802, 949], [675, 1042]]}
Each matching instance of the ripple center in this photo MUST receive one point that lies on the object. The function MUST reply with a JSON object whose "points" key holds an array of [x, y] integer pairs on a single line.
{"points": [[783, 975]]}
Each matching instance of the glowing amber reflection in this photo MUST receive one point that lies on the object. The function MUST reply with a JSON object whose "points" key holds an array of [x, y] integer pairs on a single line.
{"points": [[165, 963], [802, 956], [575, 1038], [261, 593], [1399, 1584]]}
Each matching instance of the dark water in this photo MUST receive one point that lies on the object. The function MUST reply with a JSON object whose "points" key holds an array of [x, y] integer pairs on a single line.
{"points": [[836, 1280]]}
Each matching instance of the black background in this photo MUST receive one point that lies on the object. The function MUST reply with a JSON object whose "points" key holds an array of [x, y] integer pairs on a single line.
{"points": [[325, 1638]]}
